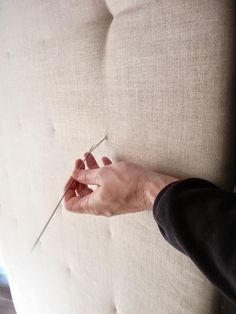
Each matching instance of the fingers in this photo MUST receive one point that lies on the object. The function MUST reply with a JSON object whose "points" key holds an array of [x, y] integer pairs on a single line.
{"points": [[106, 161], [79, 197], [84, 191], [71, 184], [71, 200], [79, 164], [90, 176], [83, 204], [91, 161]]}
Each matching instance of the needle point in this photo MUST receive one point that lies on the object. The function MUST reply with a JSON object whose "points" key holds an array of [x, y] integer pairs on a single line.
{"points": [[54, 211]]}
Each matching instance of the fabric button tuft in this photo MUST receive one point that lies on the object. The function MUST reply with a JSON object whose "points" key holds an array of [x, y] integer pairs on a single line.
{"points": [[53, 129], [68, 269]]}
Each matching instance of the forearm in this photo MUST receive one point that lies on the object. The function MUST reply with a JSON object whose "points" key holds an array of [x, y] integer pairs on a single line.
{"points": [[199, 219]]}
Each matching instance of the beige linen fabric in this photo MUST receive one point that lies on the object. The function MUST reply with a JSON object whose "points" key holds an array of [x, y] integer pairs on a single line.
{"points": [[154, 76]]}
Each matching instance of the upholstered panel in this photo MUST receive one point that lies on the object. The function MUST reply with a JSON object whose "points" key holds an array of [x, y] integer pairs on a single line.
{"points": [[152, 75]]}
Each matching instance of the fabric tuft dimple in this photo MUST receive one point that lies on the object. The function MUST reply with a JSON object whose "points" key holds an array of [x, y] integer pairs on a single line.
{"points": [[53, 129], [68, 269]]}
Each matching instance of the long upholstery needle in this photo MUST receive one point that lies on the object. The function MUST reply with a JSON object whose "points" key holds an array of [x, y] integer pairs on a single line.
{"points": [[54, 211]]}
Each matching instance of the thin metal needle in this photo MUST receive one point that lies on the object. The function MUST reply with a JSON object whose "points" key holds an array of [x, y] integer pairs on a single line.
{"points": [[54, 211]]}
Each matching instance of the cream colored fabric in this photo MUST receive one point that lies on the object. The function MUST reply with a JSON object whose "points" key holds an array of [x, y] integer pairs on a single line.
{"points": [[154, 76]]}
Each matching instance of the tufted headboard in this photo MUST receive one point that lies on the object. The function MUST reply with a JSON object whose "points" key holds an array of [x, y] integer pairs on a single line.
{"points": [[155, 76]]}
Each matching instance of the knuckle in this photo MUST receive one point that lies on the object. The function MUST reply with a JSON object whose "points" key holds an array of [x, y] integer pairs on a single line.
{"points": [[97, 178], [86, 204], [123, 165], [74, 207], [84, 176], [89, 205], [101, 173], [75, 174], [108, 213], [67, 207]]}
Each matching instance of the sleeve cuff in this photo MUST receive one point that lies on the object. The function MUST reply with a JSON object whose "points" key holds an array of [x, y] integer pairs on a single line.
{"points": [[180, 184]]}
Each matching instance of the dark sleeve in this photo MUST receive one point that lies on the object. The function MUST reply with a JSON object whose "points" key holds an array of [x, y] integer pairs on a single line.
{"points": [[199, 219]]}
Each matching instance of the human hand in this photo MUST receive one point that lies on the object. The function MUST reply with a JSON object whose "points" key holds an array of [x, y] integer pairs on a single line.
{"points": [[122, 187]]}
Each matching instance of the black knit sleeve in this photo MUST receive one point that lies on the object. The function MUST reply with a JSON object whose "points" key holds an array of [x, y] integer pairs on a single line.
{"points": [[199, 219]]}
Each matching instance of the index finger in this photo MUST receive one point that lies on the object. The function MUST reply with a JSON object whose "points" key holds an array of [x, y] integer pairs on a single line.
{"points": [[71, 184], [88, 176]]}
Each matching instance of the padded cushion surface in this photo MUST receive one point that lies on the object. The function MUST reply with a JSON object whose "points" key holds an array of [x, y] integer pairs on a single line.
{"points": [[152, 75]]}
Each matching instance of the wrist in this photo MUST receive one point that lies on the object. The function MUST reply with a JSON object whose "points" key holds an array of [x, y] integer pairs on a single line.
{"points": [[153, 187]]}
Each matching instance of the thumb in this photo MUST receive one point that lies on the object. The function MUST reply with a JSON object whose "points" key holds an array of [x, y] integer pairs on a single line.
{"points": [[90, 176], [84, 205]]}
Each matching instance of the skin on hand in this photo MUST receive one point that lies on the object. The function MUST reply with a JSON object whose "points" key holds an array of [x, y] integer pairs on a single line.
{"points": [[122, 187]]}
